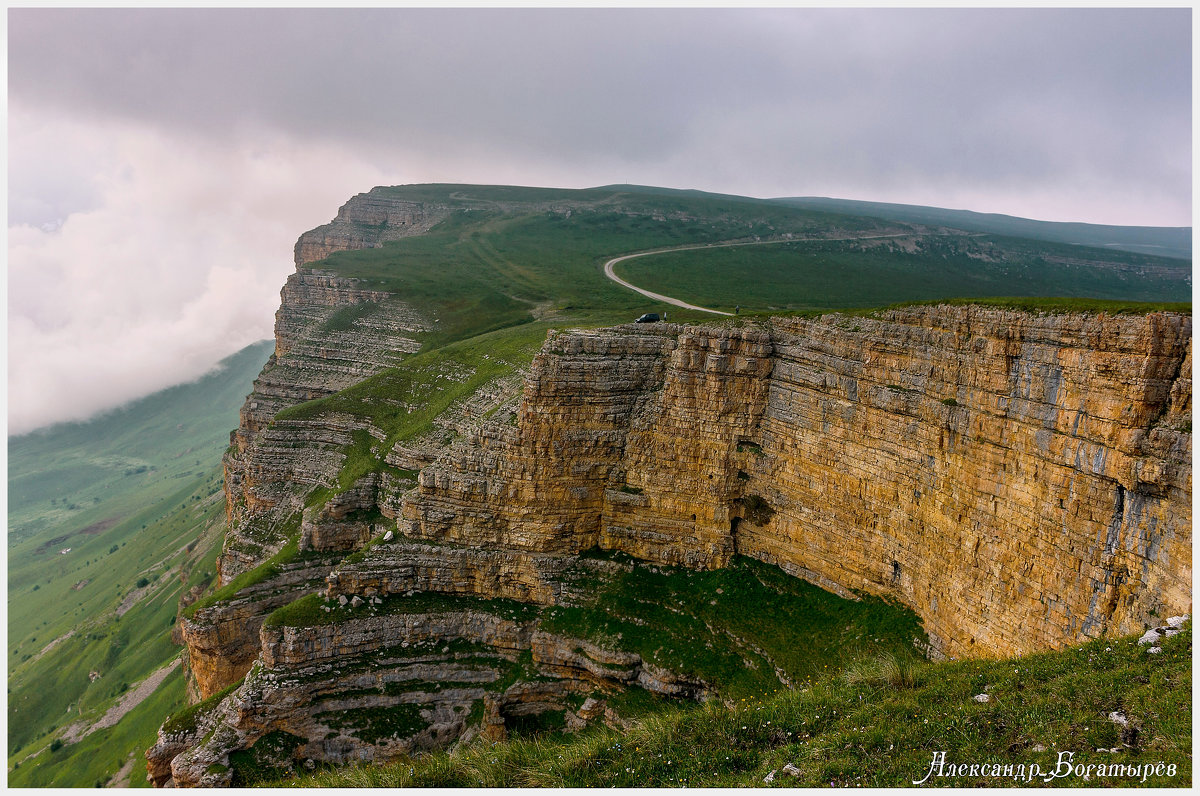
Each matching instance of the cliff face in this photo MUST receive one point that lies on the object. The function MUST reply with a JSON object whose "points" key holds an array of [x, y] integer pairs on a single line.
{"points": [[366, 221], [1020, 481], [330, 333]]}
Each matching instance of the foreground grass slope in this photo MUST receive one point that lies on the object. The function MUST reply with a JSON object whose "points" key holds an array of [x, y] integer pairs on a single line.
{"points": [[878, 724]]}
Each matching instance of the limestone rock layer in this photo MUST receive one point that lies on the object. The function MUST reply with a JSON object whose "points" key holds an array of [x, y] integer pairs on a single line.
{"points": [[1021, 481]]}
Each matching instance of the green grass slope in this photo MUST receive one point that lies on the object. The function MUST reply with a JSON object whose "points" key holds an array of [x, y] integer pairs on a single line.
{"points": [[835, 275], [1046, 721], [104, 629], [135, 496], [507, 255], [499, 261], [58, 474]]}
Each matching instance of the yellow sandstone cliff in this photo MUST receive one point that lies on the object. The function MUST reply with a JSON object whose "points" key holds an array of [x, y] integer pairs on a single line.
{"points": [[1021, 481]]}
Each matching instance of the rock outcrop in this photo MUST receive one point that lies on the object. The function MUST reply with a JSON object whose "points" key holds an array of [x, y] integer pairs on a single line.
{"points": [[367, 221]]}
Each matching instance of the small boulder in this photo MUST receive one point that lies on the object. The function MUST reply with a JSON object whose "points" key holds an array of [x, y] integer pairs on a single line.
{"points": [[1177, 621], [770, 777], [342, 600], [1151, 636], [592, 708], [387, 537], [982, 698], [357, 601]]}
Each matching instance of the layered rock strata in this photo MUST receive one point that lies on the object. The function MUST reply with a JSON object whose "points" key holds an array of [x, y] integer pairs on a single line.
{"points": [[1021, 481], [223, 639], [376, 686], [367, 221]]}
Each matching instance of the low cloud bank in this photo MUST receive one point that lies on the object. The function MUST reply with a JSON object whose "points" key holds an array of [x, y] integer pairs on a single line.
{"points": [[173, 261]]}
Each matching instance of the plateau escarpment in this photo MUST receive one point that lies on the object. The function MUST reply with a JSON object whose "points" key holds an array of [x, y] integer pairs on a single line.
{"points": [[423, 548], [1021, 481]]}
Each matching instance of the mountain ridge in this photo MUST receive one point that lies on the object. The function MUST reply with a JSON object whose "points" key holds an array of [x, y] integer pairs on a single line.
{"points": [[1166, 241]]}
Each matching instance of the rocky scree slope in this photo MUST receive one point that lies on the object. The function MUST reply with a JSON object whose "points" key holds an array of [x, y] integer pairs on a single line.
{"points": [[1020, 481]]}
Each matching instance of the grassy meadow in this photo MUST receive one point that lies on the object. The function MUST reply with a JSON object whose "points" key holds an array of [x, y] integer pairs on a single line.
{"points": [[836, 275]]}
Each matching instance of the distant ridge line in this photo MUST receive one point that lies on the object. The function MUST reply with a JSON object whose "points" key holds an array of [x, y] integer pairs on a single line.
{"points": [[1173, 242]]}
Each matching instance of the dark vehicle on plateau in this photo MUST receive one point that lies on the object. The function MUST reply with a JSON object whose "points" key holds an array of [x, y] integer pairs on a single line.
{"points": [[649, 317]]}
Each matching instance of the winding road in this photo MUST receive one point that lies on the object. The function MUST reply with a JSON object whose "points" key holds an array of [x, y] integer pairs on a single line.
{"points": [[608, 266]]}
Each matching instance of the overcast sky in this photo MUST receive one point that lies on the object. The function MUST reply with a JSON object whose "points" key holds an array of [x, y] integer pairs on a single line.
{"points": [[163, 162]]}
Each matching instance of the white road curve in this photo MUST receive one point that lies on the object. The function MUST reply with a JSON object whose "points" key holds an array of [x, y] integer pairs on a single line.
{"points": [[608, 266]]}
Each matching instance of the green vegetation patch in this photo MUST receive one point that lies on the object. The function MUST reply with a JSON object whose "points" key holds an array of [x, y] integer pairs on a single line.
{"points": [[375, 724], [1065, 305], [315, 609], [268, 758], [697, 623], [96, 759], [343, 318], [820, 274], [488, 265], [402, 401], [187, 719], [264, 571]]}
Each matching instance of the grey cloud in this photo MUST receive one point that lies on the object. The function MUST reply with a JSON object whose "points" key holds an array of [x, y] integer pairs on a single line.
{"points": [[937, 87]]}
